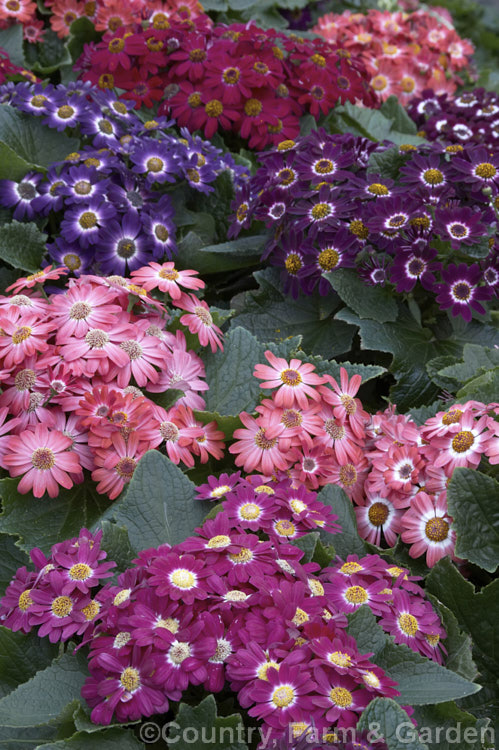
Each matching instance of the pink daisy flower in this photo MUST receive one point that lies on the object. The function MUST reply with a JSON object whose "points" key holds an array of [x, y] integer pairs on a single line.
{"points": [[378, 516], [23, 335], [284, 696], [145, 353], [16, 605], [199, 321], [97, 349], [294, 380], [82, 307], [259, 446], [346, 407], [429, 528], [166, 278], [115, 466], [341, 696], [464, 445], [26, 282], [180, 577], [42, 456]]}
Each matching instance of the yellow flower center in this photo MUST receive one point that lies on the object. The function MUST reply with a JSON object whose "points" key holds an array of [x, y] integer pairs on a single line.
{"points": [[463, 441], [183, 578], [359, 229], [91, 610], [170, 623], [408, 624], [371, 679], [433, 177], [154, 164], [43, 459], [25, 601], [262, 671], [293, 263], [437, 529], [88, 220], [250, 511], [214, 108], [80, 572], [328, 258], [339, 658], [452, 417], [300, 617], [377, 514], [485, 170], [122, 596], [285, 528], [21, 334], [253, 107], [286, 145], [348, 475], [349, 568], [341, 697], [62, 606], [130, 679], [241, 557], [283, 696], [320, 211], [217, 542], [356, 595]]}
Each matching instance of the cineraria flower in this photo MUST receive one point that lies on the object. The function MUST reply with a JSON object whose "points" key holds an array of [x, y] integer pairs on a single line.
{"points": [[166, 278], [179, 577], [295, 380], [199, 321], [379, 516], [428, 528], [42, 457], [283, 696], [460, 291]]}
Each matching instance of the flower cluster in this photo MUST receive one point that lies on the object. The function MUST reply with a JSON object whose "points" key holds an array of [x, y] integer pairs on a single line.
{"points": [[471, 117], [110, 203], [232, 78], [233, 603], [327, 207], [315, 429], [106, 16], [403, 52], [72, 368]]}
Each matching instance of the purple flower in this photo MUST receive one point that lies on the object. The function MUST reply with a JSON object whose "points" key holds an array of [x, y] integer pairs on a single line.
{"points": [[70, 255], [122, 246], [480, 168], [83, 222], [461, 225], [63, 112], [156, 161], [410, 267], [21, 195], [82, 184], [460, 291]]}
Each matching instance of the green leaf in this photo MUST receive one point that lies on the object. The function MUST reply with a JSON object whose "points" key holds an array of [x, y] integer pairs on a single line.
{"points": [[11, 558], [271, 316], [81, 32], [437, 366], [330, 367], [117, 545], [11, 40], [229, 374], [420, 680], [21, 656], [401, 121], [385, 717], [307, 543], [49, 55], [46, 694], [347, 542], [477, 613], [483, 388], [160, 504], [370, 123], [22, 245], [225, 423], [105, 739], [473, 500], [43, 522], [412, 346], [386, 163], [37, 144], [206, 729], [167, 398], [226, 256], [458, 644], [445, 724], [374, 302], [422, 413], [370, 636], [476, 360], [25, 738]]}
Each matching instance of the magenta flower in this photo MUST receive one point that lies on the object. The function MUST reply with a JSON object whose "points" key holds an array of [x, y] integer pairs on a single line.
{"points": [[294, 380]]}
